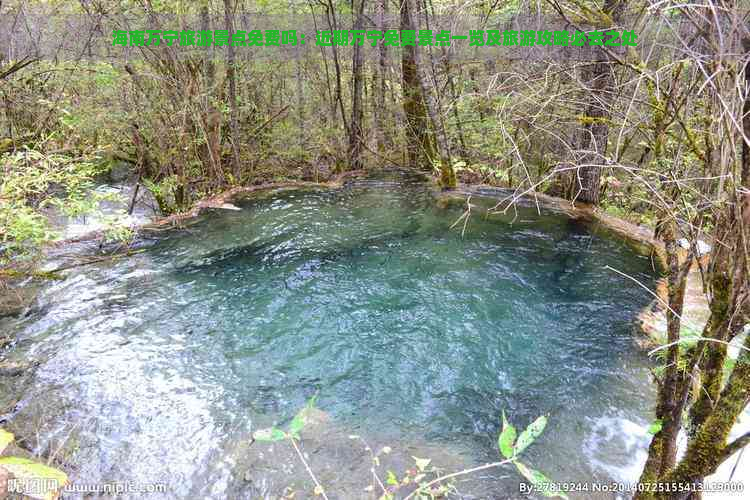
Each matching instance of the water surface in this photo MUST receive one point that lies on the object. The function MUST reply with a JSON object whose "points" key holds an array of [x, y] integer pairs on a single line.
{"points": [[156, 366]]}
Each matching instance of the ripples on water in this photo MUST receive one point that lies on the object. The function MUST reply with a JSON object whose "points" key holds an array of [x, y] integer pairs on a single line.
{"points": [[155, 364]]}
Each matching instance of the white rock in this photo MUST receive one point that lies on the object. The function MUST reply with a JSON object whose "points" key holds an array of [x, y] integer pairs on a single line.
{"points": [[703, 247]]}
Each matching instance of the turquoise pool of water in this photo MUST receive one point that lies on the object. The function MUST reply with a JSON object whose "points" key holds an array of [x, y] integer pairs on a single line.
{"points": [[406, 329]]}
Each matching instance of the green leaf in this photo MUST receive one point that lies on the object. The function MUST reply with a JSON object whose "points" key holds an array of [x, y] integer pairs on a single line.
{"points": [[391, 479], [269, 435], [311, 402], [506, 438], [422, 463], [25, 469], [298, 423], [655, 426], [5, 439], [530, 434], [300, 419], [278, 434], [539, 481]]}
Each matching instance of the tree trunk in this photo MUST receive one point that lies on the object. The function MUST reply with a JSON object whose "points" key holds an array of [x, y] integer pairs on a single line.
{"points": [[419, 143], [454, 100], [333, 25], [746, 121], [211, 121], [717, 407], [379, 109], [440, 152], [356, 140], [300, 101], [234, 135], [207, 56], [2, 49], [592, 142]]}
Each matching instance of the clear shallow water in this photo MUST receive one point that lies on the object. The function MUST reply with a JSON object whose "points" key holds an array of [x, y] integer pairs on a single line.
{"points": [[157, 365]]}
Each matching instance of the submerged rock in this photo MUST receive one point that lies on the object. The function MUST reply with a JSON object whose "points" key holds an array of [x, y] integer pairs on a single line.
{"points": [[15, 300], [14, 368], [229, 206], [343, 463]]}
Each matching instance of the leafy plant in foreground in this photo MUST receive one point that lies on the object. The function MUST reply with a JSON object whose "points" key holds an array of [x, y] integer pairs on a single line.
{"points": [[299, 421], [33, 473], [429, 484], [32, 181], [510, 447]]}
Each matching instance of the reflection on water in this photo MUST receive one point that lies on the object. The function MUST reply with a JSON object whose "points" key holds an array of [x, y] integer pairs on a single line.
{"points": [[156, 368]]}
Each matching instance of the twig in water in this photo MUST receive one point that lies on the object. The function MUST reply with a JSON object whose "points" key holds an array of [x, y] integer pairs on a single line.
{"points": [[456, 474], [465, 216], [318, 486]]}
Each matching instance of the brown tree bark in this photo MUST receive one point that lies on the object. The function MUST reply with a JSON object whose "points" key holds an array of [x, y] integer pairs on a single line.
{"points": [[717, 405], [356, 139], [333, 25], [380, 90], [440, 151], [419, 143], [454, 100], [211, 121], [234, 135], [599, 79], [746, 121]]}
